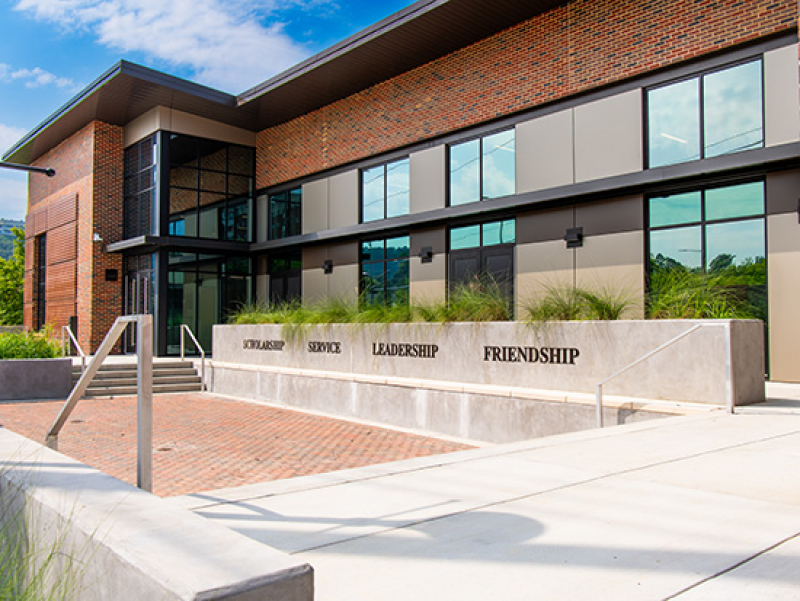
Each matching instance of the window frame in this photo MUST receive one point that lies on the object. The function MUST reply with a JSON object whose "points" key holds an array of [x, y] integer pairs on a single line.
{"points": [[481, 175], [288, 191], [384, 261], [700, 77], [385, 165]]}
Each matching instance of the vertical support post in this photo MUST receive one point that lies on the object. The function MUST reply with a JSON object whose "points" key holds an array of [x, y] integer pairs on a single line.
{"points": [[144, 351], [599, 405], [730, 401]]}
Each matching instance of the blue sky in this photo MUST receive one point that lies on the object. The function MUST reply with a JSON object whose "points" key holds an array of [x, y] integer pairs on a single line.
{"points": [[51, 49]]}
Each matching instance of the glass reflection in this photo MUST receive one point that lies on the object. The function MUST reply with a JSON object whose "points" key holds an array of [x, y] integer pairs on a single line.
{"points": [[675, 209], [733, 111], [734, 244], [397, 188], [679, 247], [372, 193], [499, 232], [735, 201], [499, 165], [465, 237], [674, 123], [465, 185]]}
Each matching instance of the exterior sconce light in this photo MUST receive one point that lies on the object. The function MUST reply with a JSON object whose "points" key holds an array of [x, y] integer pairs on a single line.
{"points": [[574, 237], [96, 238], [327, 267], [426, 254]]}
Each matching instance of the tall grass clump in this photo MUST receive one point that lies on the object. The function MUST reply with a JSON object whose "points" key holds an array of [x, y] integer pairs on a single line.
{"points": [[34, 566], [571, 303], [29, 345], [480, 300], [684, 294]]}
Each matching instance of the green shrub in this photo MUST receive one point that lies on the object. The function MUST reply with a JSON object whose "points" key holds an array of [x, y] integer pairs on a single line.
{"points": [[29, 345]]}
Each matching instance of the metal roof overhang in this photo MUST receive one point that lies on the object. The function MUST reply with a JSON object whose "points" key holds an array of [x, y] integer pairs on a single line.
{"points": [[420, 33]]}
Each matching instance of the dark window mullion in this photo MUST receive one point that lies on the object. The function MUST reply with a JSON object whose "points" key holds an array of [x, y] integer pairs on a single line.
{"points": [[703, 261], [701, 107]]}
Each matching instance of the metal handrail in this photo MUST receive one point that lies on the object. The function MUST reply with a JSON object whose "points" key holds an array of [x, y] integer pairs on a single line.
{"points": [[74, 340], [144, 387], [186, 328], [729, 404]]}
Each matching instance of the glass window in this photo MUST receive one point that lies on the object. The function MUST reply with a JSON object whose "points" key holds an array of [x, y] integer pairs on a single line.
{"points": [[724, 247], [675, 209], [210, 189], [485, 234], [284, 214], [732, 112], [385, 191], [719, 113], [482, 169], [139, 183], [385, 270]]}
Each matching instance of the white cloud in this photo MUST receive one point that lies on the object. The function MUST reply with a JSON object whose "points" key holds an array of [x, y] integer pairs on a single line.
{"points": [[33, 78], [223, 41], [8, 136], [13, 194]]}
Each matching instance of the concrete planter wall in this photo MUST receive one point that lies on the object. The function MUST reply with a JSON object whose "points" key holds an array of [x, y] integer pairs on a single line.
{"points": [[489, 381], [570, 356], [31, 379]]}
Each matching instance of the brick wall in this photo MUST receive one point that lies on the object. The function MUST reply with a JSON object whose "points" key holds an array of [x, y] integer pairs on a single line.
{"points": [[568, 50], [84, 198]]}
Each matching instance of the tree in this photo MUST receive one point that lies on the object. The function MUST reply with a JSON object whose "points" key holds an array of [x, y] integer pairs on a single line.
{"points": [[12, 272]]}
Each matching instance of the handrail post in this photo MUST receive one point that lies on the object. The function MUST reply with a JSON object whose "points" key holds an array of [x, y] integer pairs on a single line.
{"points": [[144, 406], [183, 326], [186, 328], [729, 396]]}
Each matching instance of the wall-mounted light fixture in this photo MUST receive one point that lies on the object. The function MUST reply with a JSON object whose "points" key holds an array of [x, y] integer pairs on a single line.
{"points": [[29, 168], [96, 237], [426, 254], [574, 237], [327, 267]]}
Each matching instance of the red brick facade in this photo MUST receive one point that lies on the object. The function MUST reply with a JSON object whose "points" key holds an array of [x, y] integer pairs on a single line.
{"points": [[84, 198], [566, 51]]}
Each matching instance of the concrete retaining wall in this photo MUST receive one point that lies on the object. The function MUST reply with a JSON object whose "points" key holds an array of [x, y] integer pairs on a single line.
{"points": [[496, 382], [114, 541], [30, 379], [563, 356]]}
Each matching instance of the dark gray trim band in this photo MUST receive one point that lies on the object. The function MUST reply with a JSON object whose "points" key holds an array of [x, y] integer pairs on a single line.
{"points": [[662, 179]]}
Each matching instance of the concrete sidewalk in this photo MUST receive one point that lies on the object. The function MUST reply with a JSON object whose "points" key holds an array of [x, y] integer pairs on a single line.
{"points": [[696, 507]]}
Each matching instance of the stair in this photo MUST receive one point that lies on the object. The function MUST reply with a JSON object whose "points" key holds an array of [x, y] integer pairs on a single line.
{"points": [[118, 379]]}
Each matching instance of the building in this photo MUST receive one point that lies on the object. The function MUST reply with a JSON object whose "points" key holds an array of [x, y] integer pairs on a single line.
{"points": [[544, 142]]}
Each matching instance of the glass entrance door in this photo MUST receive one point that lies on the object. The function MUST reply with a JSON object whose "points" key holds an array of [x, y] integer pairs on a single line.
{"points": [[138, 301]]}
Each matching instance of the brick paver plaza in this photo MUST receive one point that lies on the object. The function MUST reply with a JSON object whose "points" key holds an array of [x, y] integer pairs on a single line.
{"points": [[205, 442]]}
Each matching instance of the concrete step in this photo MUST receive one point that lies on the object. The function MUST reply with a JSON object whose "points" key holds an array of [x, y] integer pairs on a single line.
{"points": [[131, 390], [117, 379], [157, 373], [190, 378]]}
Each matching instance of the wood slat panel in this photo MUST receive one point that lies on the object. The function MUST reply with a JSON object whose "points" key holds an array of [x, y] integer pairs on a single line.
{"points": [[39, 222], [62, 244], [62, 211], [29, 247], [59, 312], [27, 287], [61, 281]]}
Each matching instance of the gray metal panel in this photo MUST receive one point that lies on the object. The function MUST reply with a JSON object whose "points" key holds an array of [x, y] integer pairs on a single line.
{"points": [[783, 192], [428, 168], [315, 206], [611, 216], [608, 137], [436, 238], [545, 152], [343, 199], [781, 103], [541, 226]]}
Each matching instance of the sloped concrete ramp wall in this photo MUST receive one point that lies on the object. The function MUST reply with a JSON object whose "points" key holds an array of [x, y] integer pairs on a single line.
{"points": [[114, 541]]}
